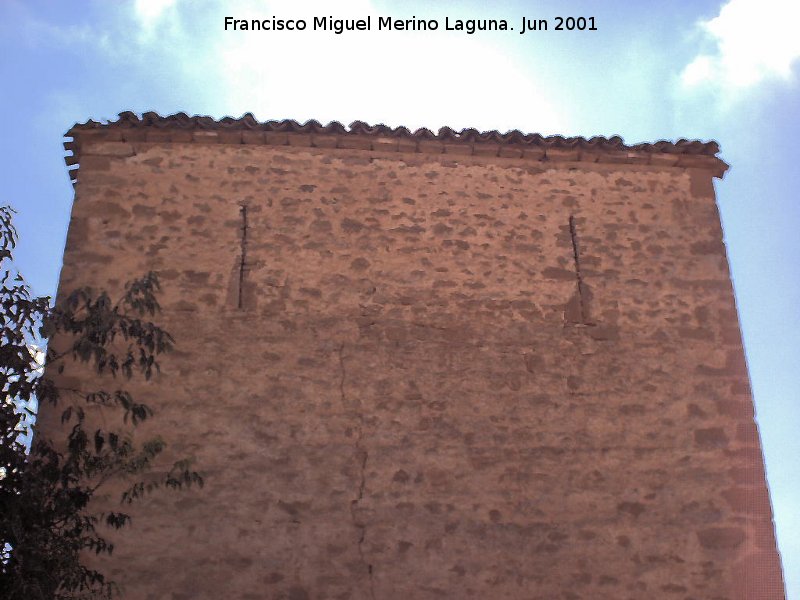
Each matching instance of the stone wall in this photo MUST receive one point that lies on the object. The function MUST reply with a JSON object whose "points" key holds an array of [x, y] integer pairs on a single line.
{"points": [[429, 375]]}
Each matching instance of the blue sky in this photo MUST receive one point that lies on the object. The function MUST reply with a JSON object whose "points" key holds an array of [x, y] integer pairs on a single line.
{"points": [[706, 69]]}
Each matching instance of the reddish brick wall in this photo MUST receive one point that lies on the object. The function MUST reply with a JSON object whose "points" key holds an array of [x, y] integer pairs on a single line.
{"points": [[415, 375]]}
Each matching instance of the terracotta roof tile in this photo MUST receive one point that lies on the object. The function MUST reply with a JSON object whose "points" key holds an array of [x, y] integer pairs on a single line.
{"points": [[249, 122], [247, 129]]}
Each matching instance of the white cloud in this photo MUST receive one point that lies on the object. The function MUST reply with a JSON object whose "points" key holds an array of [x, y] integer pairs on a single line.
{"points": [[426, 79], [149, 11], [755, 40], [157, 20], [399, 78]]}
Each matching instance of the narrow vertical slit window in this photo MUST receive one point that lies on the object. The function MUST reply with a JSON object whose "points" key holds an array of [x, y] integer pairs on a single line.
{"points": [[243, 261], [573, 232]]}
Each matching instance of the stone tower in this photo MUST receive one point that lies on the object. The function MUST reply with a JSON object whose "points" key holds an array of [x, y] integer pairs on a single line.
{"points": [[418, 365]]}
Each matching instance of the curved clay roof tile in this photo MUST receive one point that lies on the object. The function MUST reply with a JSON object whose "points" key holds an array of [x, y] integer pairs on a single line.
{"points": [[335, 127], [469, 134], [401, 132], [128, 119], [311, 126], [359, 127], [447, 133], [424, 133], [249, 121]]}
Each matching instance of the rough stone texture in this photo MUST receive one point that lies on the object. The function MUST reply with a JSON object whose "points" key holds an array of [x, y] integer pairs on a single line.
{"points": [[432, 376]]}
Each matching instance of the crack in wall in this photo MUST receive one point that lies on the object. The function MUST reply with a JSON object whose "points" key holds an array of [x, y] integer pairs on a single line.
{"points": [[243, 260], [362, 455], [573, 232]]}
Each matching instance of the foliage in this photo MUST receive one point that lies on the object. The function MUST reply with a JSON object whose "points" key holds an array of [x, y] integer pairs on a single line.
{"points": [[46, 522]]}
